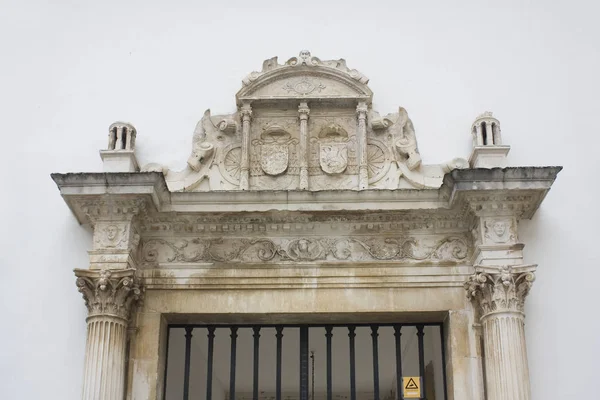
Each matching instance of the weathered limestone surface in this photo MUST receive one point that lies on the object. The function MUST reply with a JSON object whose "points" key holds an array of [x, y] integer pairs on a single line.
{"points": [[500, 294], [108, 295], [306, 206]]}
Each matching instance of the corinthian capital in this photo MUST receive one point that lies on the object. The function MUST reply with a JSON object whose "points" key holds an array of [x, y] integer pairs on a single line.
{"points": [[500, 289], [109, 293]]}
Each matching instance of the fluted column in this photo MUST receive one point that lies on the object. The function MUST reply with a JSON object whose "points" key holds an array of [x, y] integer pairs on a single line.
{"points": [[109, 297], [246, 112], [303, 112], [499, 293], [363, 173]]}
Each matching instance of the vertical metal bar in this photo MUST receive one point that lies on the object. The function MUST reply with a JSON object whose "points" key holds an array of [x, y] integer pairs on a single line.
{"points": [[420, 335], [256, 336], [329, 335], [303, 363], [209, 361], [232, 363], [398, 337], [188, 350], [352, 335], [444, 361], [374, 337], [166, 364], [279, 336]]}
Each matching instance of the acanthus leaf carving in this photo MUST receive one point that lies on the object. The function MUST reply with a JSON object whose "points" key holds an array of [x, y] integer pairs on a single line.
{"points": [[502, 290], [449, 249], [108, 292]]}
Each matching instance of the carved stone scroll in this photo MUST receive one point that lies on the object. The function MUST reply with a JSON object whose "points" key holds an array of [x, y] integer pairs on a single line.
{"points": [[451, 249]]}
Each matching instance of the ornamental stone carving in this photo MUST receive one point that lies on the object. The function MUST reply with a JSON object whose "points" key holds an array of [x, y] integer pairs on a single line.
{"points": [[500, 230], [502, 290], [451, 249], [306, 186], [109, 293], [267, 145]]}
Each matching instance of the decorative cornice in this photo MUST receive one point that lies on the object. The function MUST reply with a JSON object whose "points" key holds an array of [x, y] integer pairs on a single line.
{"points": [[501, 289], [509, 191], [117, 195], [109, 293]]}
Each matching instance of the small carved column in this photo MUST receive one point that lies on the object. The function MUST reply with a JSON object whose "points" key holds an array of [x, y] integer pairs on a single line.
{"points": [[246, 112], [478, 135], [109, 296], [498, 289], [363, 174], [303, 112]]}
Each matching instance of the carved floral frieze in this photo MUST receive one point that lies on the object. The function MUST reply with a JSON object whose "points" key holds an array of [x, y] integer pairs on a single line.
{"points": [[189, 250]]}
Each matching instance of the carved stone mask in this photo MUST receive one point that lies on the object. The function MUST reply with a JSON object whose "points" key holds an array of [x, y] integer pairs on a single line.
{"points": [[303, 245], [499, 228], [305, 55], [111, 232]]}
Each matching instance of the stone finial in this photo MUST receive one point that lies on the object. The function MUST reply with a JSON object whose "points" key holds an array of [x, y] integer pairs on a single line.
{"points": [[488, 150], [120, 154], [121, 136]]}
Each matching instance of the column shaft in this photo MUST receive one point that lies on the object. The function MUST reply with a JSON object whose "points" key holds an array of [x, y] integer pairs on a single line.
{"points": [[104, 369], [507, 373], [363, 173], [245, 162], [500, 293], [303, 112]]}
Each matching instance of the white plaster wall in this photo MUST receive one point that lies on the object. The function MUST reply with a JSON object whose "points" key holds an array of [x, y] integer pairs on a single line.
{"points": [[70, 68]]}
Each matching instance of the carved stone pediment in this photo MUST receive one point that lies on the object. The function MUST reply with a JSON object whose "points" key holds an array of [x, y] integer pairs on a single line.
{"points": [[306, 124], [305, 77]]}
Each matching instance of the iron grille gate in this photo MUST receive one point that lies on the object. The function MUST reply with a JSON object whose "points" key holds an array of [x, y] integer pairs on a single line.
{"points": [[305, 358]]}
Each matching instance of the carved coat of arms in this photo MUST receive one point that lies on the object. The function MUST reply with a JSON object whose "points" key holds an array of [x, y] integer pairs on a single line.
{"points": [[333, 157], [274, 158]]}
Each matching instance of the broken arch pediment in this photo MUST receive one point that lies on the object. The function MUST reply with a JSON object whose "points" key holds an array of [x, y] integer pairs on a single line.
{"points": [[307, 124]]}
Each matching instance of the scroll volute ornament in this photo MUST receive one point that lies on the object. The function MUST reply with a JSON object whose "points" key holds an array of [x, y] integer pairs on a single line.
{"points": [[109, 293], [504, 290]]}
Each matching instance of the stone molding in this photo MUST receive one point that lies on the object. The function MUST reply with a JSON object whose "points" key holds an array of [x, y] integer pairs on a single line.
{"points": [[109, 293], [502, 289]]}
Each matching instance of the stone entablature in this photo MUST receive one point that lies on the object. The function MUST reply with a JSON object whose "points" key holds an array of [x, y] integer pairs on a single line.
{"points": [[312, 203]]}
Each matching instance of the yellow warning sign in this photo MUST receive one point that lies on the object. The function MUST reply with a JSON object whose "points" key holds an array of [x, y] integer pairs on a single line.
{"points": [[412, 387]]}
